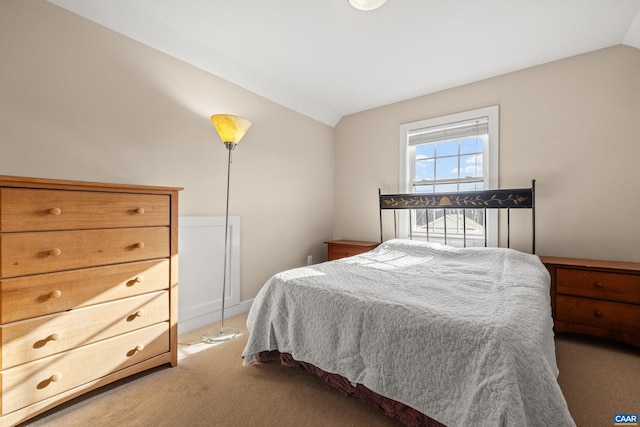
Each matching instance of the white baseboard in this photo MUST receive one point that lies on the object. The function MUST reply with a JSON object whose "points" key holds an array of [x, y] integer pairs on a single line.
{"points": [[186, 325]]}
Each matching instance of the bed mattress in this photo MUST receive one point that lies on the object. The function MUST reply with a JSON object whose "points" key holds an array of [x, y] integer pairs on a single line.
{"points": [[462, 335]]}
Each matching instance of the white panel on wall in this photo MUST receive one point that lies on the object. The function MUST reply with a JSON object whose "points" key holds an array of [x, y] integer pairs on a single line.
{"points": [[200, 273]]}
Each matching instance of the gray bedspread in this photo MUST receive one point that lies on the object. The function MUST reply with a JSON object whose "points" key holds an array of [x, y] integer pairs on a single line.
{"points": [[462, 335]]}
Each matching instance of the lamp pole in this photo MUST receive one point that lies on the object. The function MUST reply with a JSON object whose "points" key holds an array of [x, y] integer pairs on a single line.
{"points": [[230, 146]]}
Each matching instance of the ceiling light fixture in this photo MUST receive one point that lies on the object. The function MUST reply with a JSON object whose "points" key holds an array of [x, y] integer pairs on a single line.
{"points": [[367, 4]]}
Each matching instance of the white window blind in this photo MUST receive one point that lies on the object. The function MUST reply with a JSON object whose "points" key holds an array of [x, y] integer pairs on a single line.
{"points": [[449, 131]]}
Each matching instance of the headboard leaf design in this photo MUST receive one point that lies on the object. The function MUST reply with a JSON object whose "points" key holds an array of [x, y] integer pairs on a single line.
{"points": [[500, 199], [489, 199]]}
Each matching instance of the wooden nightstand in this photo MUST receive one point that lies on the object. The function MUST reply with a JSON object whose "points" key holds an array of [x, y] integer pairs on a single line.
{"points": [[337, 249], [595, 297]]}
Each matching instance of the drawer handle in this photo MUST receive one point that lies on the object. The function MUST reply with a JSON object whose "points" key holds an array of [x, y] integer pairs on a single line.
{"points": [[55, 252], [597, 313], [137, 279], [136, 349], [140, 211], [41, 343], [139, 245], [55, 294], [52, 379], [598, 285], [134, 316], [55, 211]]}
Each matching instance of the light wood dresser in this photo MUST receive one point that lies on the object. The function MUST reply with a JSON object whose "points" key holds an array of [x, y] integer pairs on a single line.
{"points": [[596, 297], [88, 276]]}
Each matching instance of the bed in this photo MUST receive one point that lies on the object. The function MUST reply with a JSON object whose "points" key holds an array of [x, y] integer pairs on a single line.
{"points": [[432, 334]]}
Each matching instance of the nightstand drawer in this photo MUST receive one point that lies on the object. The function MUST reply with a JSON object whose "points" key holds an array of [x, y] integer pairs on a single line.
{"points": [[612, 316], [598, 284], [24, 209], [337, 249], [343, 251]]}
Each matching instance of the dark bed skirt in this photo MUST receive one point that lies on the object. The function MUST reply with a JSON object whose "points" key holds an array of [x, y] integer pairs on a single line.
{"points": [[399, 411]]}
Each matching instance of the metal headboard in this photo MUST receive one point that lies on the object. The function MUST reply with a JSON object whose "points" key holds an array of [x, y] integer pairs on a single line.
{"points": [[522, 198]]}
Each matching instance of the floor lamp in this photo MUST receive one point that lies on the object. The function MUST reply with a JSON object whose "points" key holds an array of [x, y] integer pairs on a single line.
{"points": [[231, 130]]}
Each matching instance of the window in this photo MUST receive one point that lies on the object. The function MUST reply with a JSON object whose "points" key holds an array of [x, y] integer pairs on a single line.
{"points": [[453, 153]]}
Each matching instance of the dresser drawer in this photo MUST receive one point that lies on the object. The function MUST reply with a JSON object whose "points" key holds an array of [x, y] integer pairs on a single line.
{"points": [[31, 382], [613, 316], [38, 295], [32, 339], [38, 210], [42, 252], [598, 284]]}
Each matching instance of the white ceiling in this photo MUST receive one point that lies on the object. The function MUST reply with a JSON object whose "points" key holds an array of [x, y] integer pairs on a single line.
{"points": [[326, 59]]}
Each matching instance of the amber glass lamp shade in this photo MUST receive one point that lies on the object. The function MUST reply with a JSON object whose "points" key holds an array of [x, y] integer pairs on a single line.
{"points": [[230, 128]]}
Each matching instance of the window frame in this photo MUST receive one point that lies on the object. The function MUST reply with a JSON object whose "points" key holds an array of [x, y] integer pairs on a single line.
{"points": [[490, 160]]}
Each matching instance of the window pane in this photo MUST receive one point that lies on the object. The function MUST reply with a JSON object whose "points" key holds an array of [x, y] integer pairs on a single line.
{"points": [[455, 223], [445, 188], [423, 189], [425, 150], [471, 145], [447, 148], [471, 165], [424, 169], [471, 186], [447, 167], [421, 216]]}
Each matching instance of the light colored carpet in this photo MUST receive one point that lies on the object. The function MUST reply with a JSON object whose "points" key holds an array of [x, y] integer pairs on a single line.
{"points": [[599, 378], [210, 387]]}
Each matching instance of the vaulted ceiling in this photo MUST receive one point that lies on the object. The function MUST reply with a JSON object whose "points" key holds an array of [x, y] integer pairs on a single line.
{"points": [[326, 59]]}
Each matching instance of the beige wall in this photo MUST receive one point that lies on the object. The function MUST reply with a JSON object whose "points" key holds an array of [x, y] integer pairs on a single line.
{"points": [[573, 125], [78, 101]]}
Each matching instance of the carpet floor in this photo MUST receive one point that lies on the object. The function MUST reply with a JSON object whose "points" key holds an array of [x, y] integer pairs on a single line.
{"points": [[211, 387]]}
